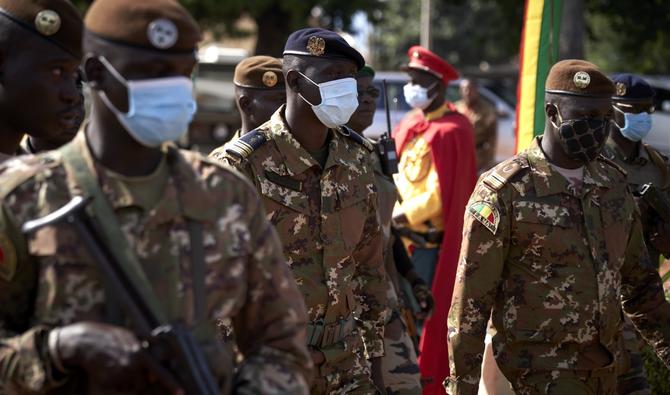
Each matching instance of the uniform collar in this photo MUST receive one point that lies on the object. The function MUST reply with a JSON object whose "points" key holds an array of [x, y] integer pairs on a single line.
{"points": [[548, 181], [437, 114], [615, 153], [295, 156]]}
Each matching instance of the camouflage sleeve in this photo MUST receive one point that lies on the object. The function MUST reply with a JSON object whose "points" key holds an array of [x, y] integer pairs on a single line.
{"points": [[25, 365], [371, 284], [271, 326], [483, 250], [642, 294]]}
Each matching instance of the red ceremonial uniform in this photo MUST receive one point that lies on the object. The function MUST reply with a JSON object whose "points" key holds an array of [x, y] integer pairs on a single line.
{"points": [[448, 138]]}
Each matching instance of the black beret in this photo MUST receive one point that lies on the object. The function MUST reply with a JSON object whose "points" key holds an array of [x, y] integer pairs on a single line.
{"points": [[322, 43], [579, 78], [259, 72], [56, 21], [162, 25], [630, 87]]}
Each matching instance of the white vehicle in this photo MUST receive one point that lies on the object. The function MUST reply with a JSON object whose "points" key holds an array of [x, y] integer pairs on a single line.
{"points": [[398, 108], [659, 137]]}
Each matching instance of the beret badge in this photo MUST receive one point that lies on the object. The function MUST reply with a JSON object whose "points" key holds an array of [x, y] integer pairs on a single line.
{"points": [[47, 22], [269, 79], [162, 33], [316, 46], [582, 79], [620, 89]]}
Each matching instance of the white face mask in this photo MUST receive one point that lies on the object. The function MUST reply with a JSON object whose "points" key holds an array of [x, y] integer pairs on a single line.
{"points": [[417, 96], [159, 109], [339, 100]]}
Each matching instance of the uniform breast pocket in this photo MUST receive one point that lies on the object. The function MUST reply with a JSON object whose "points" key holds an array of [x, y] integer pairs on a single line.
{"points": [[351, 219], [539, 225]]}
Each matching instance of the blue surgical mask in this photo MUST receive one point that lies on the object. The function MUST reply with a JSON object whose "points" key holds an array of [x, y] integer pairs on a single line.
{"points": [[636, 126], [159, 109]]}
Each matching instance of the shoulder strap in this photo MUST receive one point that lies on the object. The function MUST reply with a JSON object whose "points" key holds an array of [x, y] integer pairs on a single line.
{"points": [[501, 174], [348, 132], [661, 163], [108, 226], [244, 146], [613, 164]]}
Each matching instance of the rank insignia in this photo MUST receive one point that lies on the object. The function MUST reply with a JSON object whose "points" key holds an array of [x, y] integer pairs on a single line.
{"points": [[7, 258], [270, 79], [582, 79], [47, 22], [620, 89], [485, 213], [316, 46]]}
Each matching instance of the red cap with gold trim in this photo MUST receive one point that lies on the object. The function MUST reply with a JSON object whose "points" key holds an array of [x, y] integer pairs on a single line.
{"points": [[422, 59]]}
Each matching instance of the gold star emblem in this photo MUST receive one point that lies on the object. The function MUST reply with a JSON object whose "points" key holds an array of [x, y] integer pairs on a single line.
{"points": [[582, 79], [270, 79], [620, 89], [47, 22], [316, 46]]}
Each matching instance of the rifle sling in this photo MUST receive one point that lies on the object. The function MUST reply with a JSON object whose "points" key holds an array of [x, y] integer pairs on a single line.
{"points": [[108, 227]]}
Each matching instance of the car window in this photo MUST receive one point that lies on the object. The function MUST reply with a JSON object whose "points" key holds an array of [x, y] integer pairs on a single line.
{"points": [[395, 94], [661, 95]]}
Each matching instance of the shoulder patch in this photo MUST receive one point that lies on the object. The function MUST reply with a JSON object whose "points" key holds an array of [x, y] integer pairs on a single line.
{"points": [[486, 214], [502, 173], [7, 258], [348, 132], [613, 164], [244, 146]]}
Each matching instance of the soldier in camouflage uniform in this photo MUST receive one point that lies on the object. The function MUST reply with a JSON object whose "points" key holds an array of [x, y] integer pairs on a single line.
{"points": [[633, 104], [39, 83], [553, 243], [399, 365], [317, 184], [61, 331]]}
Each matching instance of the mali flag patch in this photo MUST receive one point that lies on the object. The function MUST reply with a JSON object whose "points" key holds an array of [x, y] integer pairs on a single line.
{"points": [[486, 214]]}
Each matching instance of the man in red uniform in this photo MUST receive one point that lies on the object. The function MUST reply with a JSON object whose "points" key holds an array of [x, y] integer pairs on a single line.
{"points": [[437, 173]]}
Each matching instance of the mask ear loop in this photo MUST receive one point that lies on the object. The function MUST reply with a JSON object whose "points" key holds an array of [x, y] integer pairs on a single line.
{"points": [[625, 121], [558, 115], [120, 79], [313, 83]]}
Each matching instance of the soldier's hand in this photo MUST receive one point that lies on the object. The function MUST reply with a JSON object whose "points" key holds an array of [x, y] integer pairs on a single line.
{"points": [[424, 297], [660, 238], [112, 358]]}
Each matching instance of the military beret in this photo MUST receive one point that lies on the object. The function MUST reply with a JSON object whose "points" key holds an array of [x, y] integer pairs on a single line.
{"points": [[322, 43], [56, 21], [366, 71], [629, 87], [579, 78], [422, 59], [162, 25], [259, 72]]}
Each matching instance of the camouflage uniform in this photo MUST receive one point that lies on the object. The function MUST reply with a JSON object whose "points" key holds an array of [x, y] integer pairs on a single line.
{"points": [[327, 221], [554, 264], [52, 282], [648, 166], [399, 365], [485, 125]]}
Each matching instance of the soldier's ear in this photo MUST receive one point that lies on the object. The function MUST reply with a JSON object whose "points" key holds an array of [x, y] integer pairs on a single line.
{"points": [[244, 102], [292, 77], [551, 111], [93, 71]]}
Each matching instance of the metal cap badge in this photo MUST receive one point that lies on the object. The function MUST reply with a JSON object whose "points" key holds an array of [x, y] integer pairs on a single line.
{"points": [[47, 22], [582, 79], [162, 33], [620, 89], [316, 46], [270, 79]]}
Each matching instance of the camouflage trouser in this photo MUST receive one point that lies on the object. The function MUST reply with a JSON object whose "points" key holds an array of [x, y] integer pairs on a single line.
{"points": [[346, 371], [601, 382], [634, 380], [399, 367]]}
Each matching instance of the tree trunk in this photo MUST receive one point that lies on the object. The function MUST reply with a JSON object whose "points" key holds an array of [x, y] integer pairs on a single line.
{"points": [[273, 30], [571, 45]]}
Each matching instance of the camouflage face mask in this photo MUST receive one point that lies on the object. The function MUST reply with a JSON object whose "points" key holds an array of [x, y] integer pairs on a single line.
{"points": [[584, 138]]}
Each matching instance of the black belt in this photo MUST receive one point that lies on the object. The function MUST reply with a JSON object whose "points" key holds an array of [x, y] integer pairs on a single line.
{"points": [[321, 335], [421, 238]]}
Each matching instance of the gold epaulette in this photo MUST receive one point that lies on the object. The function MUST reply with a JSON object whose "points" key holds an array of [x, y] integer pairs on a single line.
{"points": [[502, 173], [244, 146]]}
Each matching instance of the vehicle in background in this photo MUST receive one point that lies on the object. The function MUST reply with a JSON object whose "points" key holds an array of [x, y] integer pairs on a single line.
{"points": [[399, 107], [659, 137], [217, 117]]}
